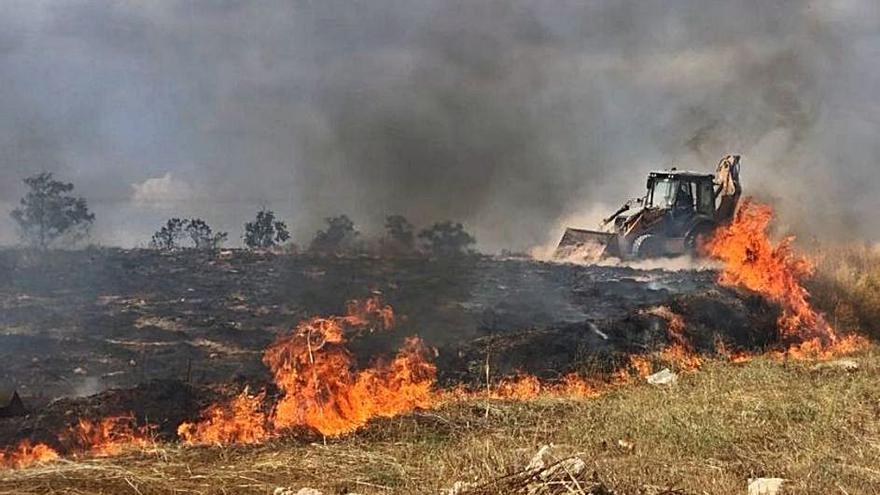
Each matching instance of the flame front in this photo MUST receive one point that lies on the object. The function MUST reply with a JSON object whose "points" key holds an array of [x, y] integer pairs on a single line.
{"points": [[242, 420], [106, 437], [321, 388], [27, 454], [753, 261]]}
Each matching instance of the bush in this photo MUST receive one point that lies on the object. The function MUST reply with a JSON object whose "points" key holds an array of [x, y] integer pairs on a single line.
{"points": [[340, 235], [399, 232], [49, 213], [175, 231], [203, 236], [169, 236], [265, 231], [447, 239]]}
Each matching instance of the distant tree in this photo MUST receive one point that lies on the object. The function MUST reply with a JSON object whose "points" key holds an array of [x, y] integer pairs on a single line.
{"points": [[48, 212], [175, 231], [169, 236], [447, 239], [203, 236], [340, 235], [400, 231], [265, 231]]}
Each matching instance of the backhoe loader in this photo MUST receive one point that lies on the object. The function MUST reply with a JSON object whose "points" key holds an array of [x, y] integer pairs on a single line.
{"points": [[679, 210]]}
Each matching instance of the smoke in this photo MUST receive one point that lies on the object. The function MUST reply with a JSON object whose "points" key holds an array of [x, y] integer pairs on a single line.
{"points": [[511, 116]]}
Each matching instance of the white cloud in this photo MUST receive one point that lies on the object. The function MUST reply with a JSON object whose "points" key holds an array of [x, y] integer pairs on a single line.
{"points": [[161, 192]]}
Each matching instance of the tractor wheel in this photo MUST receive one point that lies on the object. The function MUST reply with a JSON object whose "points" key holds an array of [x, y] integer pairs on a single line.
{"points": [[693, 243], [647, 246]]}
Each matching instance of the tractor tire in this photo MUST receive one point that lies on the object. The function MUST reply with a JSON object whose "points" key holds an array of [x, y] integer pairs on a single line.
{"points": [[647, 246], [693, 242]]}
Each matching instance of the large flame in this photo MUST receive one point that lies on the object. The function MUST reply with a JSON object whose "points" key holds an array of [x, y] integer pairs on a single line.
{"points": [[321, 387], [751, 260]]}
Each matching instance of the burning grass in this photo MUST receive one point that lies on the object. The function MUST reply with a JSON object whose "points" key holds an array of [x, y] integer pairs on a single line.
{"points": [[478, 434], [818, 428], [750, 259]]}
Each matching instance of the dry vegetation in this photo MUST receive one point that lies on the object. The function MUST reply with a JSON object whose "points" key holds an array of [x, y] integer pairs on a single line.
{"points": [[815, 424], [847, 286]]}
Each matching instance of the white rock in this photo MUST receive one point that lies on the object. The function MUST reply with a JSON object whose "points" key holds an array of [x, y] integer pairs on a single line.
{"points": [[662, 377], [765, 486], [537, 461]]}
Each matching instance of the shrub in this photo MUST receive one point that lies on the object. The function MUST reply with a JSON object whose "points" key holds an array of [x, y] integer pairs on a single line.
{"points": [[340, 235], [265, 231], [399, 232], [175, 231], [447, 239]]}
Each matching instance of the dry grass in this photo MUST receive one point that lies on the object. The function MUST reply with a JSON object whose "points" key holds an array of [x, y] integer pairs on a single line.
{"points": [[819, 428], [847, 287]]}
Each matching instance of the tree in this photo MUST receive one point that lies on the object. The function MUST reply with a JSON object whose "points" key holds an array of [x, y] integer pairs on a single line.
{"points": [[48, 212], [265, 231], [203, 236], [169, 236], [400, 231], [447, 239], [340, 235], [175, 231]]}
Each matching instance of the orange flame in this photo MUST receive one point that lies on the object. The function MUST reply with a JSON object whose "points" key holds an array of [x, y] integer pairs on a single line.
{"points": [[314, 369], [241, 421], [733, 356], [528, 387], [751, 260], [641, 365], [106, 437], [680, 351], [27, 454], [321, 388]]}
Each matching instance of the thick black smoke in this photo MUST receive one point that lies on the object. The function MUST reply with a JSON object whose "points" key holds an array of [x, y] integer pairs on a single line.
{"points": [[512, 116]]}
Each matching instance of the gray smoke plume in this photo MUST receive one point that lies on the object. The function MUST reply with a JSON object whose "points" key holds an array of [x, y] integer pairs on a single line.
{"points": [[511, 116]]}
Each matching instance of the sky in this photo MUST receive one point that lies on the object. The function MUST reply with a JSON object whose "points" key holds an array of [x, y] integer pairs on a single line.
{"points": [[515, 117]]}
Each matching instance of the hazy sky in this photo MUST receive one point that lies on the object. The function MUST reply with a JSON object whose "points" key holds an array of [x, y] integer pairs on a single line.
{"points": [[512, 116]]}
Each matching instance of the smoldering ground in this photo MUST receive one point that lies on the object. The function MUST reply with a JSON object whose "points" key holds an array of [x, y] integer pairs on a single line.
{"points": [[513, 117]]}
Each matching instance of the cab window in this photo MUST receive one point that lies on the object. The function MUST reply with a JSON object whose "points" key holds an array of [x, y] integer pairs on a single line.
{"points": [[706, 198], [663, 193]]}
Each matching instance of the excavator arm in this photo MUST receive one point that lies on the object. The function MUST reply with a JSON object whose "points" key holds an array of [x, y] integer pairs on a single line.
{"points": [[728, 188]]}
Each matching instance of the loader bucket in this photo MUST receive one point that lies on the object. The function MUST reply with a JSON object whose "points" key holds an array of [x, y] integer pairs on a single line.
{"points": [[10, 403], [586, 245]]}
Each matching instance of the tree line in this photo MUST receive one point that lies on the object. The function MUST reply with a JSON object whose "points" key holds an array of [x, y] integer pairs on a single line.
{"points": [[50, 214]]}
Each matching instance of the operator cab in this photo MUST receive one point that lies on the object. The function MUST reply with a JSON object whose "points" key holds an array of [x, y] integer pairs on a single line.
{"points": [[683, 196], [682, 191]]}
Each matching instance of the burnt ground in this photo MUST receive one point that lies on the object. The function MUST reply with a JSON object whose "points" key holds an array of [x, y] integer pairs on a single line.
{"points": [[73, 324]]}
